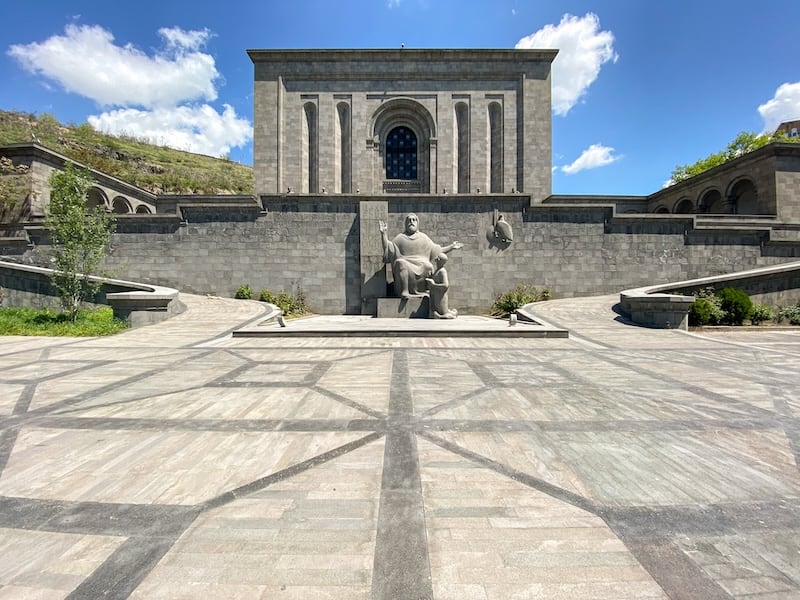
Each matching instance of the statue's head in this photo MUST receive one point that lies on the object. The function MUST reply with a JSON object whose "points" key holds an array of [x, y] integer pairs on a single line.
{"points": [[412, 223], [441, 260]]}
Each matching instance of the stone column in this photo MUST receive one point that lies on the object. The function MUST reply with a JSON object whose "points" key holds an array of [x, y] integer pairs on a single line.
{"points": [[373, 270]]}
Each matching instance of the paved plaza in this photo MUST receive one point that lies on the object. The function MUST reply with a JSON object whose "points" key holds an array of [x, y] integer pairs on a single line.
{"points": [[177, 461]]}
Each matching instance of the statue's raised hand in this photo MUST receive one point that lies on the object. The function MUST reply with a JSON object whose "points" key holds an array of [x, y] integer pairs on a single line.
{"points": [[382, 226], [457, 245]]}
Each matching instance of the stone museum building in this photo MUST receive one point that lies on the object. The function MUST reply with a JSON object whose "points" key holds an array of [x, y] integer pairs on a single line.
{"points": [[345, 140], [409, 121]]}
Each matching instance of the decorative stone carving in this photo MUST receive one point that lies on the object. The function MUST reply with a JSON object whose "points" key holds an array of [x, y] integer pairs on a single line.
{"points": [[503, 231], [412, 255]]}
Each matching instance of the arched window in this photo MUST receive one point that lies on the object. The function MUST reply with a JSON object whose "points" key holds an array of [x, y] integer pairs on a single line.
{"points": [[401, 154]]}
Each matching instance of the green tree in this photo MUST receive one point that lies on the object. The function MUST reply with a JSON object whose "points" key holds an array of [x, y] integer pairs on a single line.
{"points": [[79, 237], [745, 142]]}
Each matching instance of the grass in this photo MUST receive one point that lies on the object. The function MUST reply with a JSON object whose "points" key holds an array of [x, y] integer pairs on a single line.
{"points": [[48, 322], [146, 163]]}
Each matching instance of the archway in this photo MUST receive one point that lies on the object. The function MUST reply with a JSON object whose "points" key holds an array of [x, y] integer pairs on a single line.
{"points": [[712, 202], [121, 206], [743, 197], [96, 197], [409, 118], [684, 207]]}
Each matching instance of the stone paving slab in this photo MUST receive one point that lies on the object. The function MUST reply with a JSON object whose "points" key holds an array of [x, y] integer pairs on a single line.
{"points": [[179, 461]]}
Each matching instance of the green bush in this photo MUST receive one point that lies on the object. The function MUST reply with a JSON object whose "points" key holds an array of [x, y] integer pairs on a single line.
{"points": [[245, 292], [519, 296], [761, 313], [705, 311], [790, 313], [736, 304], [268, 296], [290, 304]]}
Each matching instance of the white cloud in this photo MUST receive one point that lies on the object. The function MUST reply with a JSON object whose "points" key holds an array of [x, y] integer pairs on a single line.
{"points": [[189, 40], [162, 97], [783, 106], [198, 129], [583, 49], [86, 61], [594, 156]]}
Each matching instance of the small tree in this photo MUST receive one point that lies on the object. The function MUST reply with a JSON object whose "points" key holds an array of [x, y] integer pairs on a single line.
{"points": [[79, 237]]}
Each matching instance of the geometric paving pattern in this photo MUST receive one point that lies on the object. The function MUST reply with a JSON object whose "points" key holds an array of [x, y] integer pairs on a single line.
{"points": [[176, 462]]}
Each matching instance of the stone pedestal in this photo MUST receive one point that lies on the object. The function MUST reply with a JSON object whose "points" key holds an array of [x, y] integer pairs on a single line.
{"points": [[416, 307]]}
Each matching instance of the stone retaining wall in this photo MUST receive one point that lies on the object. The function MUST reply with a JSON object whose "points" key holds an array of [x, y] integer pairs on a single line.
{"points": [[312, 243]]}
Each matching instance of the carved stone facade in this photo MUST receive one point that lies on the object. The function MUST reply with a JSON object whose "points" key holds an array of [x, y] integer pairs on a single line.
{"points": [[402, 121]]}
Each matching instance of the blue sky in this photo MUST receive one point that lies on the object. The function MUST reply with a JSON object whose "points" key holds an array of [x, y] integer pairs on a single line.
{"points": [[639, 87]]}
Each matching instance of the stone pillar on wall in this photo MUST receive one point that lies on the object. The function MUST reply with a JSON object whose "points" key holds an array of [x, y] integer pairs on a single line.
{"points": [[373, 270]]}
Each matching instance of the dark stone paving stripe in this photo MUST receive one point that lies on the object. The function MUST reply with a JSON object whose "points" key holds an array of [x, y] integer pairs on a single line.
{"points": [[623, 425], [317, 372], [174, 366], [24, 400], [401, 567], [124, 570], [678, 576], [8, 437], [263, 482], [111, 423], [95, 518], [528, 480], [81, 367], [454, 402], [348, 402], [673, 383]]}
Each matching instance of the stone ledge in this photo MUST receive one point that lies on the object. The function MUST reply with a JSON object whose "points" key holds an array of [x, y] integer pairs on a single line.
{"points": [[651, 307], [138, 303]]}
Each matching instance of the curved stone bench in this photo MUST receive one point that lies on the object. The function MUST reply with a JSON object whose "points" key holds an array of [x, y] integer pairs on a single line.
{"points": [[652, 307], [138, 303]]}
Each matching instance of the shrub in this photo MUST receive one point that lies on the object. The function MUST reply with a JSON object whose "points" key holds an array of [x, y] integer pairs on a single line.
{"points": [[736, 304], [269, 297], [761, 313], [519, 296], [790, 313], [705, 311], [290, 304], [245, 292]]}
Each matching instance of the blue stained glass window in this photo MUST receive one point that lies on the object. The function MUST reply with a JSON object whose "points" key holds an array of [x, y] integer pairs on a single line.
{"points": [[401, 154]]}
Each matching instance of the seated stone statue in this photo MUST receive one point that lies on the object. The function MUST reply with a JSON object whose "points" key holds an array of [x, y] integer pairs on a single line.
{"points": [[411, 255], [438, 285]]}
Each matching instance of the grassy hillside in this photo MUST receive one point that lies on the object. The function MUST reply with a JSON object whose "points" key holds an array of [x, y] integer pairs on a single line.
{"points": [[155, 168]]}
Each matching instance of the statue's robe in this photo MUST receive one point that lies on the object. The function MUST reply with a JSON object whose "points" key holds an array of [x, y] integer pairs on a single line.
{"points": [[417, 251]]}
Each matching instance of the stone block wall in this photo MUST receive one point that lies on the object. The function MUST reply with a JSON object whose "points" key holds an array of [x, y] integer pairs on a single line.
{"points": [[320, 244]]}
